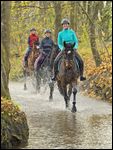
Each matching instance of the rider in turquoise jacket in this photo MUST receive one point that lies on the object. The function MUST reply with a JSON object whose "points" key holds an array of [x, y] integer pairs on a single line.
{"points": [[69, 36]]}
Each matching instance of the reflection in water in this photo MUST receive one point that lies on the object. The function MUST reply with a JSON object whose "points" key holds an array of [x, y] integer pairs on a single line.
{"points": [[52, 127], [100, 130], [66, 130]]}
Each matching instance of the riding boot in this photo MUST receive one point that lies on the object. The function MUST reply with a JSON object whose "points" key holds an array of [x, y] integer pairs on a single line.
{"points": [[26, 57], [26, 63], [55, 72], [56, 66], [81, 66], [82, 78]]}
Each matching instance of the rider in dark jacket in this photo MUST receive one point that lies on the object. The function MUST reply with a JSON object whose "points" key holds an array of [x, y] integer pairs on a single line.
{"points": [[46, 47], [47, 43]]}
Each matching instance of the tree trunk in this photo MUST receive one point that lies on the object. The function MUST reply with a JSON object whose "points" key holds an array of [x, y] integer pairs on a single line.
{"points": [[72, 15], [5, 47], [57, 7], [107, 19], [95, 53], [93, 15]]}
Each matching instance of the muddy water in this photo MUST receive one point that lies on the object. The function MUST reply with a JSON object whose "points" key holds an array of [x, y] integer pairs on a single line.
{"points": [[53, 127]]}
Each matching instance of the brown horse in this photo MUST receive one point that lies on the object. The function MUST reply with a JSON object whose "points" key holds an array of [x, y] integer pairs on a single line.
{"points": [[68, 75], [31, 59]]}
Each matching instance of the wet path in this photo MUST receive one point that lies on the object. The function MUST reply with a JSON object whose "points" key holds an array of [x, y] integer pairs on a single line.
{"points": [[53, 127]]}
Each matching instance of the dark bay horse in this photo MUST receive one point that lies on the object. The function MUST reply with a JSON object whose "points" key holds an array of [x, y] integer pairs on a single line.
{"points": [[68, 75], [31, 59]]}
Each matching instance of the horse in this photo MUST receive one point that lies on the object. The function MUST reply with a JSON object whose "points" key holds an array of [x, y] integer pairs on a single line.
{"points": [[44, 72], [31, 59], [68, 75]]}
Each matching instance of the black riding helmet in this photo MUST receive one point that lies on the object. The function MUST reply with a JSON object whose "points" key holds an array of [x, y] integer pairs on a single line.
{"points": [[47, 31], [33, 29], [65, 21]]}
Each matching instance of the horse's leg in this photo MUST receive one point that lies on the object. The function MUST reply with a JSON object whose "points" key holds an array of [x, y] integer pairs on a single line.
{"points": [[70, 91], [25, 78], [38, 81], [51, 86], [74, 98], [66, 98]]}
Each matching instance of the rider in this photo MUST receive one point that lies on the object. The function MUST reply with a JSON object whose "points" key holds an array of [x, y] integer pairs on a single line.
{"points": [[69, 36], [33, 38], [46, 47]]}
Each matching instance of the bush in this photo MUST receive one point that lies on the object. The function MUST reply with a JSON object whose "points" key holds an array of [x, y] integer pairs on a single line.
{"points": [[14, 127], [99, 80]]}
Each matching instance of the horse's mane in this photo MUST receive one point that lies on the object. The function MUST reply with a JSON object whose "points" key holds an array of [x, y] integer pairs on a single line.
{"points": [[33, 56]]}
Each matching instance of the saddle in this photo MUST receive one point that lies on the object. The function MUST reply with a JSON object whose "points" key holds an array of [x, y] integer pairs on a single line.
{"points": [[42, 60]]}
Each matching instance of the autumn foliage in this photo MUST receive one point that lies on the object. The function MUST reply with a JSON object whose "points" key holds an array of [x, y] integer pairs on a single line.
{"points": [[99, 79], [14, 128]]}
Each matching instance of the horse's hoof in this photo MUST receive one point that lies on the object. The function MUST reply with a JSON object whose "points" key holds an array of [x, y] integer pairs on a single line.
{"points": [[38, 90], [67, 106], [50, 98], [74, 109], [25, 88]]}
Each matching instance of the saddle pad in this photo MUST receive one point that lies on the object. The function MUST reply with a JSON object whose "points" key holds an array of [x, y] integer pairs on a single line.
{"points": [[76, 63]]}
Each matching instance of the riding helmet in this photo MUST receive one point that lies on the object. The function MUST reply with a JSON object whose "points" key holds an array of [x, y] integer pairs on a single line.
{"points": [[65, 21], [33, 29], [47, 31]]}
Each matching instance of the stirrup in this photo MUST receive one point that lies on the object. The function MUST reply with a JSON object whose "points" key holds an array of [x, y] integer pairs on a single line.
{"points": [[53, 78], [82, 78]]}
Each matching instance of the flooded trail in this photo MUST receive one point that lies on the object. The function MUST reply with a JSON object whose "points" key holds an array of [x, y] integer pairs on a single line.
{"points": [[51, 126]]}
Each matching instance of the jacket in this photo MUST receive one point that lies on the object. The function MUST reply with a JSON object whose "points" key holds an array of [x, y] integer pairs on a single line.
{"points": [[32, 38], [47, 45], [69, 36]]}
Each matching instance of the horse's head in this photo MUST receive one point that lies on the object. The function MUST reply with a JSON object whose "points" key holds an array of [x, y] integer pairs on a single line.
{"points": [[36, 48], [34, 54], [68, 54]]}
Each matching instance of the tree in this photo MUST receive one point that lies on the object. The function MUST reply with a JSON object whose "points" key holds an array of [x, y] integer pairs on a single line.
{"points": [[93, 11], [5, 47], [105, 19], [12, 132], [72, 15], [57, 8]]}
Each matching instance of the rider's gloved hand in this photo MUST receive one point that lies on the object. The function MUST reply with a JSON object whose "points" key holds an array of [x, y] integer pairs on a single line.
{"points": [[37, 47]]}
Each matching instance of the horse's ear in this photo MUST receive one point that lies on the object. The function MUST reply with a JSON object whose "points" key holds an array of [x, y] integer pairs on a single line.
{"points": [[73, 44], [64, 44]]}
